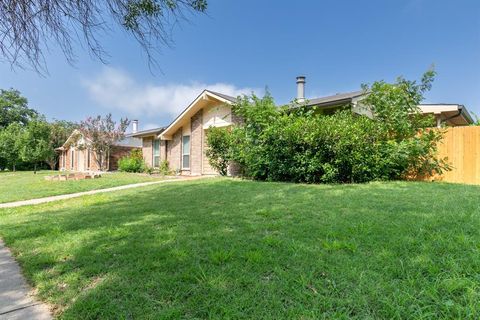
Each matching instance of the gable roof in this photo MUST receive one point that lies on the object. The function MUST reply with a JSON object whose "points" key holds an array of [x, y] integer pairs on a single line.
{"points": [[224, 96], [192, 108]]}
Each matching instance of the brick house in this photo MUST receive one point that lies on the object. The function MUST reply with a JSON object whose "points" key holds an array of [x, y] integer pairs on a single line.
{"points": [[75, 155], [183, 142]]}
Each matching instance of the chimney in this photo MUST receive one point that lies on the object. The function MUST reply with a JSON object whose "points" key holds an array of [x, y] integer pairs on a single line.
{"points": [[301, 88], [134, 126]]}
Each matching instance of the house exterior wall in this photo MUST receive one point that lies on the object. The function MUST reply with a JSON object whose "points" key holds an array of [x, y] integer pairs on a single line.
{"points": [[163, 150], [116, 153], [174, 150], [147, 151], [216, 115], [196, 143]]}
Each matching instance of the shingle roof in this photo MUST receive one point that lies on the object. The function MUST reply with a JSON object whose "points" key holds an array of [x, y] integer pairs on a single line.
{"points": [[129, 141], [224, 96], [337, 98], [146, 132]]}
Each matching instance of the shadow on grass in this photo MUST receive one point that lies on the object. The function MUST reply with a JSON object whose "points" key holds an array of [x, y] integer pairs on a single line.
{"points": [[239, 249]]}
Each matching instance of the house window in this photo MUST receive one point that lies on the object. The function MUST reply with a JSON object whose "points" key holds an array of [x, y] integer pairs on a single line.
{"points": [[88, 159], [186, 152], [72, 159], [156, 153]]}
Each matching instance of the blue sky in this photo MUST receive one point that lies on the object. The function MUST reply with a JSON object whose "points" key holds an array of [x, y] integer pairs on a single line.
{"points": [[244, 46]]}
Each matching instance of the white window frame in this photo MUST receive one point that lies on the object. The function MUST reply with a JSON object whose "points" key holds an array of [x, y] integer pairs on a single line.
{"points": [[186, 154], [153, 153]]}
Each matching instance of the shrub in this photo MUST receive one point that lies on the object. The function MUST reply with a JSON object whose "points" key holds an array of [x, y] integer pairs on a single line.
{"points": [[164, 168], [298, 145], [133, 162], [218, 153]]}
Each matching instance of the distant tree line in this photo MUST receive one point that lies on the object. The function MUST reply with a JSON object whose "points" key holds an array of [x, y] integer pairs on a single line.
{"points": [[27, 139]]}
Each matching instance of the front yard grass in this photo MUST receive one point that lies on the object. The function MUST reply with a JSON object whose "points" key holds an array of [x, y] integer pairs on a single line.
{"points": [[227, 249], [24, 185]]}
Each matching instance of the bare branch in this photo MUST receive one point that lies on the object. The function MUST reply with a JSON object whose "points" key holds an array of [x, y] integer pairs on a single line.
{"points": [[29, 27]]}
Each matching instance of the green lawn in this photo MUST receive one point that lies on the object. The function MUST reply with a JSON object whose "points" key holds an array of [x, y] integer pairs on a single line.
{"points": [[23, 185], [228, 249]]}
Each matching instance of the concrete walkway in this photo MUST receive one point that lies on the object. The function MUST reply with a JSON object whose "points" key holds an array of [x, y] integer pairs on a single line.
{"points": [[80, 194], [16, 302]]}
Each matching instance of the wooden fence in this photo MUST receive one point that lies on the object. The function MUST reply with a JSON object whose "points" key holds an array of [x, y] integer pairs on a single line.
{"points": [[461, 145]]}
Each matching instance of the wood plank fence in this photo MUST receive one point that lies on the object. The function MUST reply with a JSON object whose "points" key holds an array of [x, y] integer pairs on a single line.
{"points": [[461, 145]]}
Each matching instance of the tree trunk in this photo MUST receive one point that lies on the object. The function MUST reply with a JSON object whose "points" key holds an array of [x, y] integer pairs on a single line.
{"points": [[14, 167], [35, 168]]}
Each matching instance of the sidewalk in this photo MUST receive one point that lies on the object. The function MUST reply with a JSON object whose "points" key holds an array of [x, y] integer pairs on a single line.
{"points": [[80, 194], [15, 299]]}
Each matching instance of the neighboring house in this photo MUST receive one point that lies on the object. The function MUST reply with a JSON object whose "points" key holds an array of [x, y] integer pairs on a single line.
{"points": [[449, 114], [183, 142], [75, 154]]}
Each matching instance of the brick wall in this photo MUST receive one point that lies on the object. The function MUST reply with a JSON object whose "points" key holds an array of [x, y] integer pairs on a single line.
{"points": [[147, 150], [196, 143], [174, 150], [116, 153]]}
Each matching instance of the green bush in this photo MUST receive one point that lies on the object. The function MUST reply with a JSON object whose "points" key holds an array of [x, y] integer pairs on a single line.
{"points": [[218, 153], [297, 145], [133, 162], [164, 168]]}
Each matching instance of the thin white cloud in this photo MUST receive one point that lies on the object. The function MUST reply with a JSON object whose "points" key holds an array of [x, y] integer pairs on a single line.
{"points": [[116, 90]]}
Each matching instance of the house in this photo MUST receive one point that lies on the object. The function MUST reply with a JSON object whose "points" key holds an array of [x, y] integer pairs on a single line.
{"points": [[76, 155], [183, 142]]}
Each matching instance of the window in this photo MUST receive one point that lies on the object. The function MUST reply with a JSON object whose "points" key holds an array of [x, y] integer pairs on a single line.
{"points": [[88, 159], [71, 159], [186, 152], [156, 153]]}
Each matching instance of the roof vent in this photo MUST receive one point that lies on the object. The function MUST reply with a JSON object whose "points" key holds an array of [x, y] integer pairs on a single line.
{"points": [[301, 88], [134, 126]]}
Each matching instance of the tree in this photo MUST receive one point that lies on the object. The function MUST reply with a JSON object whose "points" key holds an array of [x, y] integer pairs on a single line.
{"points": [[101, 134], [14, 108], [60, 130], [10, 138], [35, 143], [302, 145], [28, 28]]}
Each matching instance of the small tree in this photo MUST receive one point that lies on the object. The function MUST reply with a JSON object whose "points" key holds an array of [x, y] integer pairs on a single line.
{"points": [[35, 143], [10, 139], [102, 133]]}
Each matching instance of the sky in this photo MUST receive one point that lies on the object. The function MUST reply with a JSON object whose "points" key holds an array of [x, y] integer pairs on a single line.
{"points": [[250, 45]]}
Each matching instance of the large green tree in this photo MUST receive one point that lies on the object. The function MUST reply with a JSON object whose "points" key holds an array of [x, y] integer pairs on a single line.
{"points": [[10, 145], [14, 108], [28, 28], [35, 144]]}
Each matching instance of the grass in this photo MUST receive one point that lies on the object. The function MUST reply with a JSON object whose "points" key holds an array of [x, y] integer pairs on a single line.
{"points": [[24, 185], [227, 249]]}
